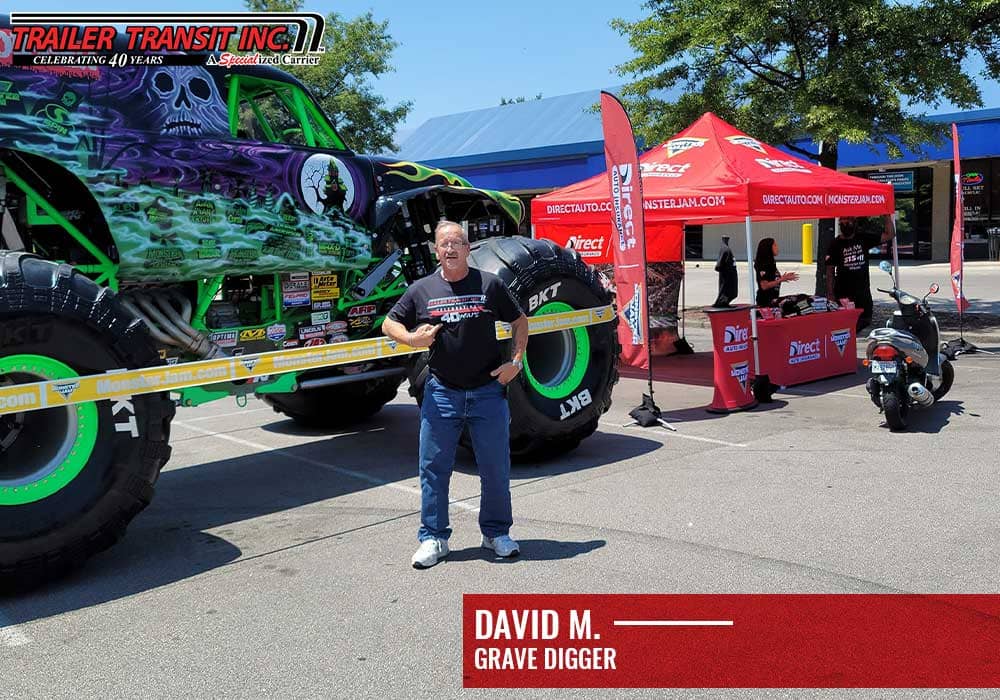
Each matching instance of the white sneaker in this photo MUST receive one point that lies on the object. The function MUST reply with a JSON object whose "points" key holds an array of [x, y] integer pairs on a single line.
{"points": [[504, 545], [429, 553]]}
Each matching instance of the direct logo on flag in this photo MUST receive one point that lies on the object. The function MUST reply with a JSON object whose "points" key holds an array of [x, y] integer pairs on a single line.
{"points": [[747, 141], [249, 363], [740, 371], [621, 200], [676, 146], [633, 315], [841, 338]]}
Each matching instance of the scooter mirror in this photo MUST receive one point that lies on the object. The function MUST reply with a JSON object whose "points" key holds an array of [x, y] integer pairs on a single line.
{"points": [[874, 251], [934, 288], [885, 266]]}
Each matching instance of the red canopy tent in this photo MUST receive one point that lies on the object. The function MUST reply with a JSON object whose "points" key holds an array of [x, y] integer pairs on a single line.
{"points": [[711, 173]]}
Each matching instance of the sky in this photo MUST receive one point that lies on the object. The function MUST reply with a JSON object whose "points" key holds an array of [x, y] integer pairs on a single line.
{"points": [[460, 56]]}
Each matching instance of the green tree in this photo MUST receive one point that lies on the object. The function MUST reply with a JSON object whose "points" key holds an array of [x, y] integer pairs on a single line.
{"points": [[783, 69], [358, 52]]}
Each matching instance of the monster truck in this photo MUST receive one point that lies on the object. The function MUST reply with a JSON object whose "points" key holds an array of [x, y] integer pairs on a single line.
{"points": [[165, 214]]}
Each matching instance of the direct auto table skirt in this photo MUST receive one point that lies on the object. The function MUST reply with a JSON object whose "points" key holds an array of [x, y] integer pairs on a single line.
{"points": [[802, 349]]}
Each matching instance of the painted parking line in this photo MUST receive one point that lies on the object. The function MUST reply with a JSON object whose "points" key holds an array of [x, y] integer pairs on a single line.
{"points": [[361, 476], [678, 434]]}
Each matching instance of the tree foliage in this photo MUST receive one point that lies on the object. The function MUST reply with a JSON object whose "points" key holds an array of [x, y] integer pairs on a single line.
{"points": [[783, 69], [358, 52], [780, 69]]}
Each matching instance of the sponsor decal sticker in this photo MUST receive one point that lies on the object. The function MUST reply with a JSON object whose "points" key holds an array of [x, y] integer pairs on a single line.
{"points": [[324, 287], [249, 363], [253, 334], [320, 317], [224, 339], [336, 327], [339, 338], [362, 310], [277, 332], [295, 298], [322, 305], [314, 342], [312, 332], [288, 344]]}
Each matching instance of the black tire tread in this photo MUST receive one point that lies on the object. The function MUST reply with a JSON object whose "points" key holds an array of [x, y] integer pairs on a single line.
{"points": [[29, 284], [524, 263]]}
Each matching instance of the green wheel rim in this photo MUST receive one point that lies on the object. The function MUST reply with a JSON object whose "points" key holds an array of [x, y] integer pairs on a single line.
{"points": [[571, 367], [65, 460]]}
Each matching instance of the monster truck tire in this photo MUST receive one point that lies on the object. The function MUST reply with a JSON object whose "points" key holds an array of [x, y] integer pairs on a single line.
{"points": [[568, 375], [338, 405], [73, 477]]}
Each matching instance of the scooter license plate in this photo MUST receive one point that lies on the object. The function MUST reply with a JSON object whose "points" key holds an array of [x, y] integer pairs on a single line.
{"points": [[883, 367]]}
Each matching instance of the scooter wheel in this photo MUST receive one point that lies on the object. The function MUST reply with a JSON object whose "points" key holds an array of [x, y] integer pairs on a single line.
{"points": [[895, 410]]}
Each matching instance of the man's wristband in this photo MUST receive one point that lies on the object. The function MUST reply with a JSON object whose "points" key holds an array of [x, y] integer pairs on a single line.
{"points": [[517, 363]]}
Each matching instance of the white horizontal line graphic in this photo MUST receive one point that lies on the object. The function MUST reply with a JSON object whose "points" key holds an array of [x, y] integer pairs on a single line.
{"points": [[673, 623]]}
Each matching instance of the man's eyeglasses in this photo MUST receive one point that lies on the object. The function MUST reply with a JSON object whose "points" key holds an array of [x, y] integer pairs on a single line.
{"points": [[450, 245]]}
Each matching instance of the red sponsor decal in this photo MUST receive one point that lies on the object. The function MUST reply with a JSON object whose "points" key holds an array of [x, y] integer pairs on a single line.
{"points": [[731, 641], [362, 310]]}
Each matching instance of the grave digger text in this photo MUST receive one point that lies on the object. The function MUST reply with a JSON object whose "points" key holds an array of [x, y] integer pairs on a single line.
{"points": [[511, 628]]}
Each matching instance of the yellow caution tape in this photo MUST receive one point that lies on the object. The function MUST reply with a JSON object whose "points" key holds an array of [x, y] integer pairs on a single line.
{"points": [[19, 398]]}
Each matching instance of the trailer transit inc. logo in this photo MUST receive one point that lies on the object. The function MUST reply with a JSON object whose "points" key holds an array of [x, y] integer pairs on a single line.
{"points": [[162, 38]]}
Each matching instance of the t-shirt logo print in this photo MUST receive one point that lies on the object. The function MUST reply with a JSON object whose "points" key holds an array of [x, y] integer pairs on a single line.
{"points": [[456, 308]]}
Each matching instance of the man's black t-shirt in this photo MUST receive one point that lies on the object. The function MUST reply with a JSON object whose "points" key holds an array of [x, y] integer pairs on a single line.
{"points": [[466, 350], [849, 256]]}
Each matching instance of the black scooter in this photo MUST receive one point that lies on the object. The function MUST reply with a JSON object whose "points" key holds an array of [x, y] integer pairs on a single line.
{"points": [[904, 358]]}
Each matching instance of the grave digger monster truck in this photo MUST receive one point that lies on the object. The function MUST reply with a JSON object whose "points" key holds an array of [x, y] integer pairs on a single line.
{"points": [[158, 215]]}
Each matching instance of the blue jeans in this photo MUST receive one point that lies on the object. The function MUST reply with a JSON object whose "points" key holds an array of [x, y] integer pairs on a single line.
{"points": [[443, 415]]}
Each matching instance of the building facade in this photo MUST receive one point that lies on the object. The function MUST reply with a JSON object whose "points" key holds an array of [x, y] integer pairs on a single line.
{"points": [[534, 147]]}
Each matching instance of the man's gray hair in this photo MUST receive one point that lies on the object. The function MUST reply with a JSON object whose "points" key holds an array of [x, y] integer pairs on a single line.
{"points": [[444, 224]]}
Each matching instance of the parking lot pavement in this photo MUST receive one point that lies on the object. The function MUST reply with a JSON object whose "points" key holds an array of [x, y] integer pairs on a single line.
{"points": [[275, 560]]}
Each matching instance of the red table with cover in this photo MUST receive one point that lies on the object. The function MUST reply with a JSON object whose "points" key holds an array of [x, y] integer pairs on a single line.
{"points": [[805, 348]]}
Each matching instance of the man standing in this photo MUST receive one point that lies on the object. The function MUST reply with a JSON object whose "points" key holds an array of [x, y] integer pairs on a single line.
{"points": [[847, 267], [453, 312], [728, 280]]}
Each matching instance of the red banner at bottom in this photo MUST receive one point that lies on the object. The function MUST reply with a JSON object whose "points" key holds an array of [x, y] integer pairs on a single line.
{"points": [[731, 641]]}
